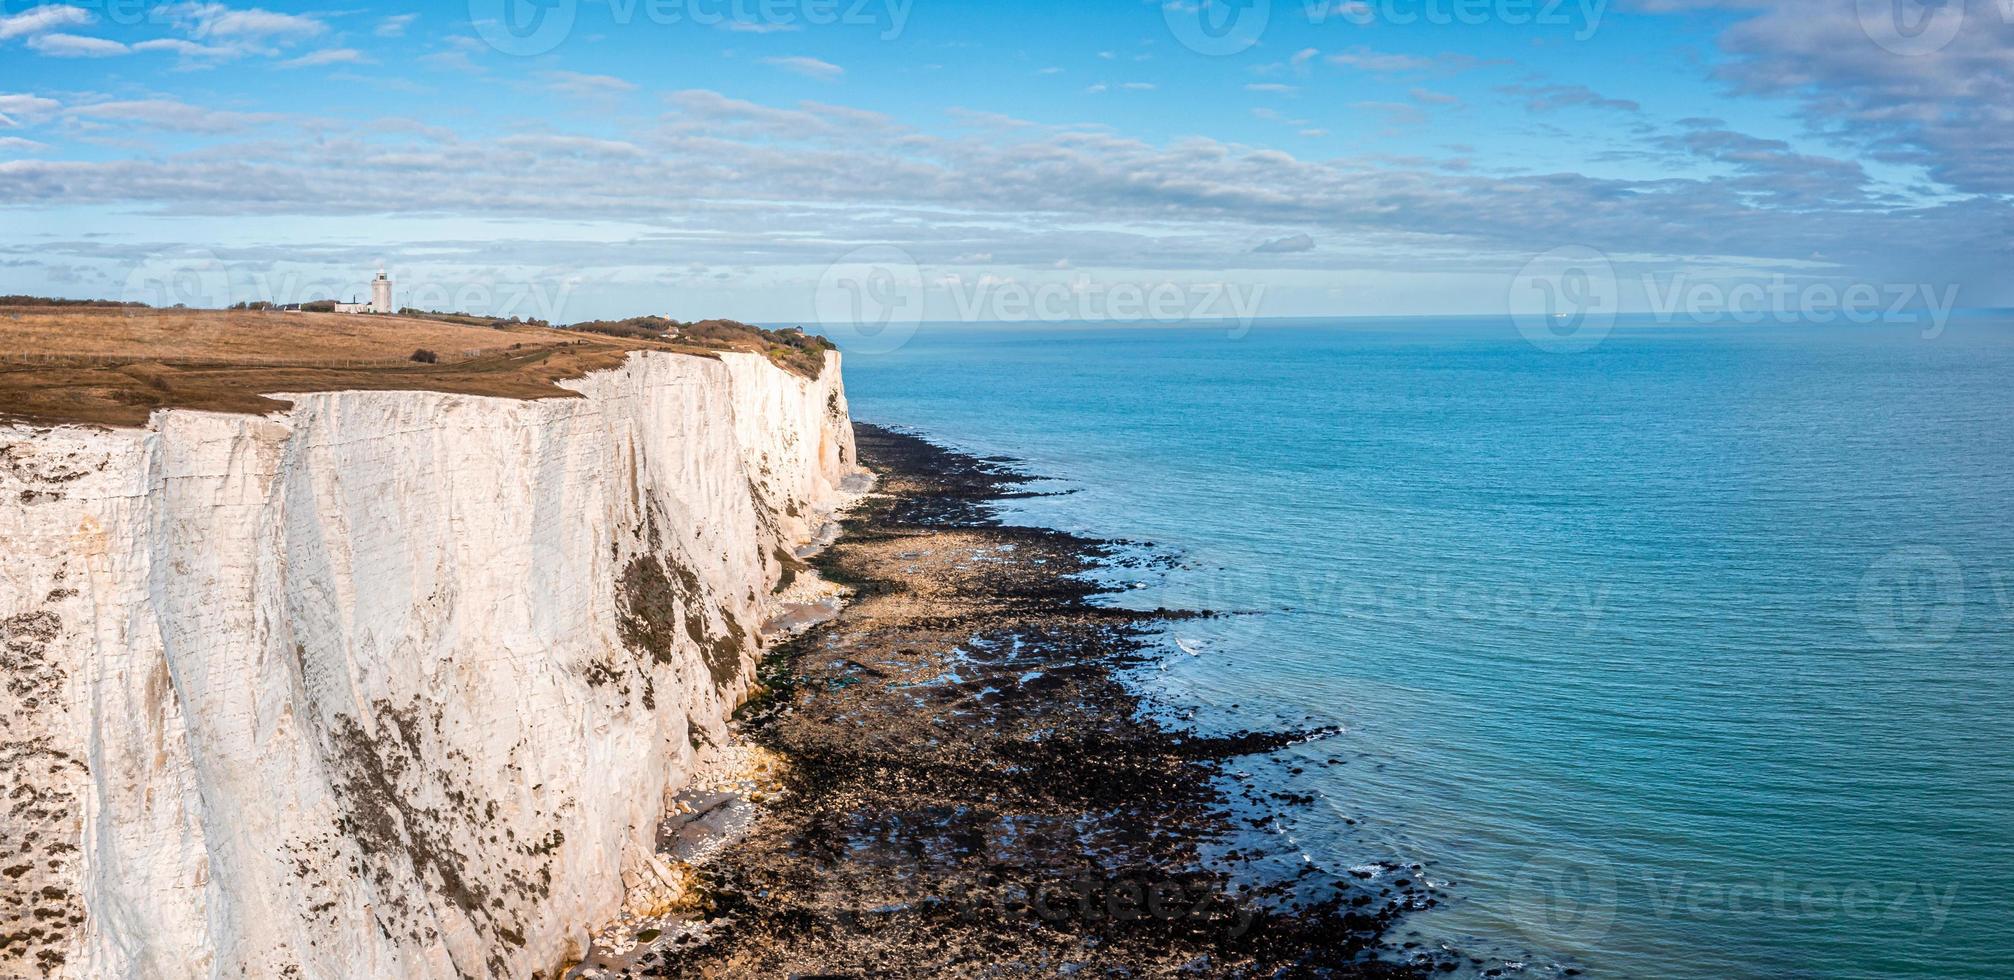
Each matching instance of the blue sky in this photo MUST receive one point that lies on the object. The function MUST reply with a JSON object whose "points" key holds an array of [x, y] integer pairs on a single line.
{"points": [[724, 157]]}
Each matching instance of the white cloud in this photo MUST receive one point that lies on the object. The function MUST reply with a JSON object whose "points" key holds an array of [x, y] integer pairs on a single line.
{"points": [[19, 145], [1138, 86], [716, 115], [208, 20], [25, 108], [47, 17], [1379, 61], [987, 118], [1940, 96], [327, 56], [77, 46], [395, 25], [1387, 63], [792, 186], [453, 61], [582, 85], [1297, 63], [572, 146], [1286, 245], [1395, 113], [1273, 88], [1547, 98], [168, 114], [187, 49], [824, 71]]}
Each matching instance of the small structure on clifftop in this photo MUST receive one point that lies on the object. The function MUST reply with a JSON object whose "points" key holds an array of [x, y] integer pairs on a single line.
{"points": [[381, 298]]}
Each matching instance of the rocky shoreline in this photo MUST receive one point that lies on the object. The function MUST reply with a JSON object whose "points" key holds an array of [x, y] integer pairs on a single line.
{"points": [[967, 786]]}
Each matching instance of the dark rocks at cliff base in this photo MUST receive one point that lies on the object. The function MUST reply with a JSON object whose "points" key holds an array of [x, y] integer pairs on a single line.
{"points": [[971, 788]]}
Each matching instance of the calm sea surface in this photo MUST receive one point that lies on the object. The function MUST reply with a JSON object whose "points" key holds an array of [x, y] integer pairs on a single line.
{"points": [[1691, 655]]}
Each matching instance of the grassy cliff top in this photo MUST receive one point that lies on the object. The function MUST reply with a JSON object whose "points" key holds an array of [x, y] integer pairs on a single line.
{"points": [[113, 365]]}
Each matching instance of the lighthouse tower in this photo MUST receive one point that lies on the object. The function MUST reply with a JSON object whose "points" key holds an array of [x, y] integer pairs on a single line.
{"points": [[381, 294]]}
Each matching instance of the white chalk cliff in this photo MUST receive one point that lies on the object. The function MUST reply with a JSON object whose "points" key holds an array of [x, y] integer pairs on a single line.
{"points": [[390, 684]]}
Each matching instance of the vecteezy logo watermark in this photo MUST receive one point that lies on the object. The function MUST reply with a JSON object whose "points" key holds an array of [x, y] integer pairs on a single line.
{"points": [[1584, 16], [1913, 598], [871, 300], [534, 27], [1911, 28], [1565, 300], [523, 27], [1564, 895], [1217, 27]]}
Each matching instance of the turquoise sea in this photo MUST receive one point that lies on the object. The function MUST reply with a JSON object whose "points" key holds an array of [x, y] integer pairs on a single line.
{"points": [[1690, 655]]}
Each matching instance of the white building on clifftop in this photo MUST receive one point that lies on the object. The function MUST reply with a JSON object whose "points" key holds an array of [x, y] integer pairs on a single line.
{"points": [[381, 298]]}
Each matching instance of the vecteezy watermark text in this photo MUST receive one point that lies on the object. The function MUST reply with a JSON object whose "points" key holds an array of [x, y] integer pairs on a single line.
{"points": [[1780, 299], [1575, 603], [873, 299], [1583, 16], [1781, 896], [534, 27], [1091, 898], [889, 16], [1567, 299], [1085, 299], [1575, 894], [1228, 27], [196, 278]]}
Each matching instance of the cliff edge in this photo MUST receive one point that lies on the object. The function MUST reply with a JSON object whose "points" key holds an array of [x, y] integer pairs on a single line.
{"points": [[385, 683]]}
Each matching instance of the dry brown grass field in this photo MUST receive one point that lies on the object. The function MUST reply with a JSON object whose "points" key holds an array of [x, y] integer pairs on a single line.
{"points": [[114, 366]]}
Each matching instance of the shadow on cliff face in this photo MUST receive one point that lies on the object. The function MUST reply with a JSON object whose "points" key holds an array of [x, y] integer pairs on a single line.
{"points": [[972, 788]]}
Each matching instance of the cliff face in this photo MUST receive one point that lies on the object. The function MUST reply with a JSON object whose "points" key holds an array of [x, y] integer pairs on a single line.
{"points": [[390, 684]]}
